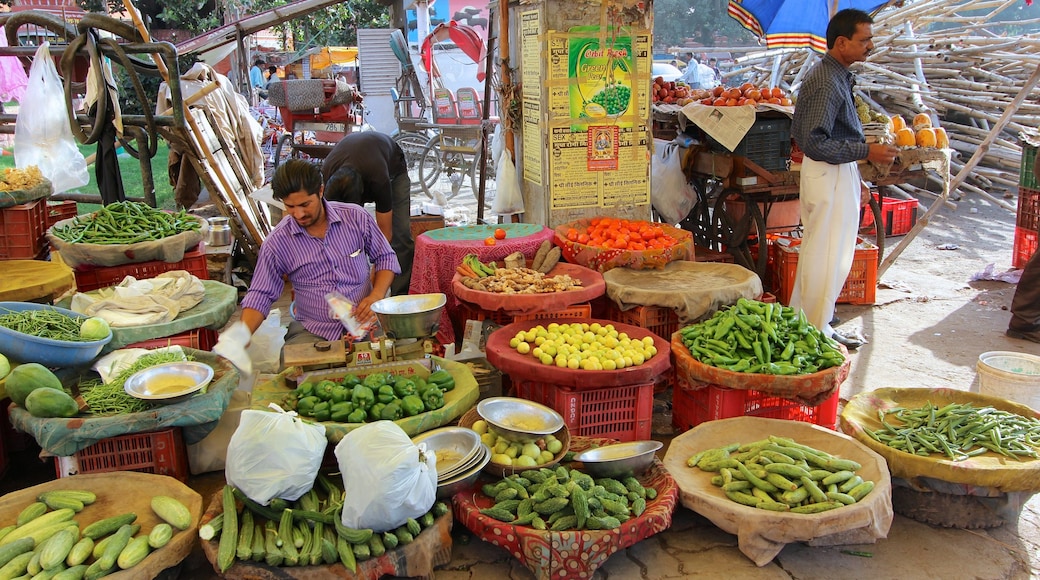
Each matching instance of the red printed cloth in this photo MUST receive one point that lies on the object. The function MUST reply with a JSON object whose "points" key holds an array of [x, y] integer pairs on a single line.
{"points": [[575, 553], [435, 260]]}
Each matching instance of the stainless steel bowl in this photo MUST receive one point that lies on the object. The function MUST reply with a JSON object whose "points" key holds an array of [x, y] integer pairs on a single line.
{"points": [[169, 383], [632, 458], [450, 487], [455, 448], [410, 316], [519, 419]]}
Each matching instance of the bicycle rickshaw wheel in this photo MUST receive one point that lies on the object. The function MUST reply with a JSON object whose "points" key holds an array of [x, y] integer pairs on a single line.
{"points": [[412, 144], [698, 221], [429, 169], [879, 225], [744, 236]]}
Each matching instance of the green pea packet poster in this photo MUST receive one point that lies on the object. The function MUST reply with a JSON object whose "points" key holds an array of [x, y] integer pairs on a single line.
{"points": [[600, 77]]}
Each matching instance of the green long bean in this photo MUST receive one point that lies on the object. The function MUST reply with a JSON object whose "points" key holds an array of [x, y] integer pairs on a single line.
{"points": [[44, 323], [111, 399], [959, 431], [127, 222]]}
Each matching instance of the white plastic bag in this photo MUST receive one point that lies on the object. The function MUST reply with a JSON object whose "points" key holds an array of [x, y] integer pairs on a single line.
{"points": [[508, 199], [670, 193], [42, 135], [274, 454], [386, 478], [265, 349]]}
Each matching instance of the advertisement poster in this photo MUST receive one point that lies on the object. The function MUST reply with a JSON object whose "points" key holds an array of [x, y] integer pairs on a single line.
{"points": [[599, 71], [531, 94], [472, 14], [602, 152]]}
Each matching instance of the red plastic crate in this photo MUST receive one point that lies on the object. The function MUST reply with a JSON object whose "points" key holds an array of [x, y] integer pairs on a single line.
{"points": [[657, 319], [860, 286], [197, 338], [695, 404], [705, 254], [623, 413], [1028, 215], [469, 311], [1025, 246], [92, 278], [22, 229], [898, 215], [161, 452], [60, 210]]}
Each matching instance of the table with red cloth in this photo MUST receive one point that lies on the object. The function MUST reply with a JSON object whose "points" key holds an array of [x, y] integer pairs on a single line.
{"points": [[438, 252]]}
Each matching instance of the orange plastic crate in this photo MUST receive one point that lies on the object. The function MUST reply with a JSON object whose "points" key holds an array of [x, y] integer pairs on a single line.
{"points": [[623, 413], [22, 229], [860, 286], [1025, 246], [91, 277], [197, 338], [161, 452], [695, 404], [60, 210]]}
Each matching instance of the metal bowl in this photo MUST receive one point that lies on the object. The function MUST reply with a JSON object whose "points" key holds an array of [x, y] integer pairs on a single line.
{"points": [[410, 316], [455, 447], [48, 352], [450, 487], [169, 383], [519, 419], [630, 458]]}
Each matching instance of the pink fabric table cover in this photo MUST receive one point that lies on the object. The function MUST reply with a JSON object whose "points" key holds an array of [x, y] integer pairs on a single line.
{"points": [[435, 260]]}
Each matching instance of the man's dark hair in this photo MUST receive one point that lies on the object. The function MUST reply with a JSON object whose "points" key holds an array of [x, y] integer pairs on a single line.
{"points": [[272, 70], [296, 175], [258, 62], [345, 185], [845, 23]]}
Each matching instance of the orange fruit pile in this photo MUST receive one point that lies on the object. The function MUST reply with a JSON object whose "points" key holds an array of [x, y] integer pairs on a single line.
{"points": [[615, 233]]}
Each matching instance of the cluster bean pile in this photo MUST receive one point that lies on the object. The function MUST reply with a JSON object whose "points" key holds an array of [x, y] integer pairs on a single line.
{"points": [[959, 431], [755, 337], [44, 323], [126, 222], [111, 399], [779, 474]]}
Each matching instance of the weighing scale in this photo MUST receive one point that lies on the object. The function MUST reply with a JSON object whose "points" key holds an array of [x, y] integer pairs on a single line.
{"points": [[407, 326]]}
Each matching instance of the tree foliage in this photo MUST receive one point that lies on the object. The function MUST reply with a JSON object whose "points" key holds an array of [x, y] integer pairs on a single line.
{"points": [[675, 21]]}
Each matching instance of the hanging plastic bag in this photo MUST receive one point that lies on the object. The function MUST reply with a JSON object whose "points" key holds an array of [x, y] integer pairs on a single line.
{"points": [[42, 135], [386, 478], [508, 199], [265, 348], [670, 193], [274, 454]]}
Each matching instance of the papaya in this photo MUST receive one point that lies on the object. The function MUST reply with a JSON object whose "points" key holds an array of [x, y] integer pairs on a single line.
{"points": [[24, 379], [50, 403]]}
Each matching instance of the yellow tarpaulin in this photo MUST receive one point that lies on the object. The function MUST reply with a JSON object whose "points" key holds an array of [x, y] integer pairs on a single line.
{"points": [[333, 55]]}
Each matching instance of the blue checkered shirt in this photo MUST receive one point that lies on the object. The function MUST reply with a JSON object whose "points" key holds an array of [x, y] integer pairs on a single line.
{"points": [[826, 126]]}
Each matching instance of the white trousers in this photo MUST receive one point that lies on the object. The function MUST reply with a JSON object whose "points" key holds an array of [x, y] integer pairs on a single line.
{"points": [[830, 202]]}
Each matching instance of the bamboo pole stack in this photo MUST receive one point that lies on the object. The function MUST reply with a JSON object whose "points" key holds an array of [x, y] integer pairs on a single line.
{"points": [[943, 58]]}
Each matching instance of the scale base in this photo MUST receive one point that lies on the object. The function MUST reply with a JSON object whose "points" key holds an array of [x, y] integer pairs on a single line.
{"points": [[337, 353]]}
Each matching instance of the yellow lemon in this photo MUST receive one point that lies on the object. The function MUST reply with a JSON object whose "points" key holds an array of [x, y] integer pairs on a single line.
{"points": [[608, 365], [546, 359], [523, 348], [514, 342]]}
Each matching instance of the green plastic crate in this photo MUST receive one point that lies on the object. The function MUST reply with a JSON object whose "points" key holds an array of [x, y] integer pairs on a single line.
{"points": [[1025, 175]]}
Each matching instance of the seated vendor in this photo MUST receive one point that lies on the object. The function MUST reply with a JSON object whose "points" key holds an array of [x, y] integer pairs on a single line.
{"points": [[327, 246]]}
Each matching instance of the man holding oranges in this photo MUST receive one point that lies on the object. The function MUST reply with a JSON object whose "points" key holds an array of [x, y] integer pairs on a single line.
{"points": [[828, 130]]}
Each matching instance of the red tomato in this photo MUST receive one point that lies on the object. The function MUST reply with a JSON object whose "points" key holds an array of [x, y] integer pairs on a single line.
{"points": [[500, 234], [489, 241]]}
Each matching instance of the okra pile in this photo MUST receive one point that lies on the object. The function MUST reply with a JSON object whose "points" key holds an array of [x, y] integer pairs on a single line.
{"points": [[781, 475], [307, 532], [46, 542], [566, 499], [756, 337], [959, 431]]}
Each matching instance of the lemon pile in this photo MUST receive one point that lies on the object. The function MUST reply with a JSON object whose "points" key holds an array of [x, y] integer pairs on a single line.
{"points": [[592, 347], [505, 451]]}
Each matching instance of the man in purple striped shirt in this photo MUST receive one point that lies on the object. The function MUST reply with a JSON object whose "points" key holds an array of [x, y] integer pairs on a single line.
{"points": [[326, 246]]}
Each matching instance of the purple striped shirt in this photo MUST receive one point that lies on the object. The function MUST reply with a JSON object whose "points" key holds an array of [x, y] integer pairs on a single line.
{"points": [[341, 262]]}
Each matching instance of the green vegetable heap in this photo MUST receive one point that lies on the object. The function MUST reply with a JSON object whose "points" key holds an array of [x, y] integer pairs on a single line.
{"points": [[379, 396], [566, 499], [45, 323], [755, 337], [959, 431], [111, 399], [613, 98], [126, 222], [779, 474]]}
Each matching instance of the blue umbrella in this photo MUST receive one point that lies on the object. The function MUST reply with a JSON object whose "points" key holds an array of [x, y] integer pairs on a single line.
{"points": [[794, 23]]}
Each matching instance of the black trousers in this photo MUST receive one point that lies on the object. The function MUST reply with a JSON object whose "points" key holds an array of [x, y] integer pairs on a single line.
{"points": [[1025, 306]]}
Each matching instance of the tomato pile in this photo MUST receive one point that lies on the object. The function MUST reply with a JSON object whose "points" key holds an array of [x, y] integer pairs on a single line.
{"points": [[622, 234], [746, 94]]}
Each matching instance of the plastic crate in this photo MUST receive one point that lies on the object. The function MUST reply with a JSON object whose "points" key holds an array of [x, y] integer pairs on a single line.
{"points": [[161, 452], [92, 278], [1025, 174], [860, 286], [767, 143], [22, 229], [898, 216], [197, 338], [1025, 246], [1028, 215], [61, 210], [659, 320], [695, 404], [623, 413], [705, 254], [469, 311]]}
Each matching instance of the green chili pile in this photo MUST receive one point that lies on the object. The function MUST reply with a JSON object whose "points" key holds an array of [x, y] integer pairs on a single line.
{"points": [[126, 222], [111, 399], [44, 323], [959, 431]]}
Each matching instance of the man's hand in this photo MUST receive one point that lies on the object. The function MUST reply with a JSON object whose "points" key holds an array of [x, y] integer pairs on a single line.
{"points": [[881, 154], [363, 311]]}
